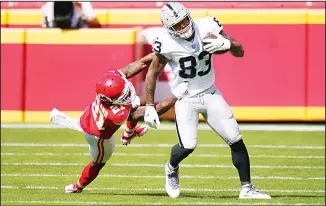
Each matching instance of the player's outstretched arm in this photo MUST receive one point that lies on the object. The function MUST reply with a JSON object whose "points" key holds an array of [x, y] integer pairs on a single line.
{"points": [[161, 108], [236, 48], [134, 68], [156, 67]]}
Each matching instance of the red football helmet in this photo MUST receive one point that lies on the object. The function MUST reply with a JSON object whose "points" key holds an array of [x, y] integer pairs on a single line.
{"points": [[112, 88]]}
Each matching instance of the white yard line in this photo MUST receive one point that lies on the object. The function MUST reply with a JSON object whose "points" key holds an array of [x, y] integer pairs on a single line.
{"points": [[218, 166], [55, 202], [150, 203], [249, 127], [157, 155], [161, 189], [231, 203], [162, 177], [22, 144], [161, 165]]}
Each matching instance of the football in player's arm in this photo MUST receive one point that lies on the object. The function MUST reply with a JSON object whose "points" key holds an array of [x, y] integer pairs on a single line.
{"points": [[236, 48], [223, 42], [187, 46]]}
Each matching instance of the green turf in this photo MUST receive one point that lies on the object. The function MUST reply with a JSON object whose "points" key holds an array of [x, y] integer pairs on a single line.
{"points": [[21, 184]]}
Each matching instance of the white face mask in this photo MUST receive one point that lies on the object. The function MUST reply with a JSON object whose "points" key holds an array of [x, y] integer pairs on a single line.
{"points": [[184, 33], [127, 96]]}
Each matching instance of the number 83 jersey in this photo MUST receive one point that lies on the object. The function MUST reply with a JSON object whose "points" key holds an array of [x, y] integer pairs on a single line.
{"points": [[188, 60]]}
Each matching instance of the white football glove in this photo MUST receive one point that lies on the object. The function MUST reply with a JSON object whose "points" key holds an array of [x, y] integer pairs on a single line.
{"points": [[219, 44], [151, 117]]}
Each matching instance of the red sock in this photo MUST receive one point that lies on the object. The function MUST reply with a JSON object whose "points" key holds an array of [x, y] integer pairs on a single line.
{"points": [[131, 124], [89, 173]]}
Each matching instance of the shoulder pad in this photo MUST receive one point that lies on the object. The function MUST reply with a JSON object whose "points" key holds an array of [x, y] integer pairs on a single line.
{"points": [[209, 24], [162, 43]]}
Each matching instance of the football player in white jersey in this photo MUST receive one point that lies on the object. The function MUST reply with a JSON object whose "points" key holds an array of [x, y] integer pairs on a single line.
{"points": [[184, 47]]}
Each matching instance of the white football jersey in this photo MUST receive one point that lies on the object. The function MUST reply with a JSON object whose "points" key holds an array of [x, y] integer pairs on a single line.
{"points": [[188, 60]]}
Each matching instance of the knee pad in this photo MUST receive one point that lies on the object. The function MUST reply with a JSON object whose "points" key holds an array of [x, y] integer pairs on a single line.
{"points": [[189, 145], [98, 165], [238, 146], [188, 148], [177, 150], [234, 139]]}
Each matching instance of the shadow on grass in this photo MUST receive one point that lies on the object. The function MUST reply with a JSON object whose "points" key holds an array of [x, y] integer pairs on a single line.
{"points": [[162, 194], [314, 196], [192, 195]]}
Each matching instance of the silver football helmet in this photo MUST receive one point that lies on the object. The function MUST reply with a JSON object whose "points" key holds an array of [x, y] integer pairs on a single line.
{"points": [[174, 13]]}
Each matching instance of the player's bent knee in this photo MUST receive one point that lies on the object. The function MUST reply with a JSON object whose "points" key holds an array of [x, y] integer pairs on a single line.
{"points": [[190, 146], [98, 165], [238, 146], [107, 156], [234, 139], [188, 151]]}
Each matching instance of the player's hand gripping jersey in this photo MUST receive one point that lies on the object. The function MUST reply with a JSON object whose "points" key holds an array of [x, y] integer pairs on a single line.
{"points": [[188, 60], [110, 109]]}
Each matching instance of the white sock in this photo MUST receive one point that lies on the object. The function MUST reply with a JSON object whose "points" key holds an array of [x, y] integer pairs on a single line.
{"points": [[171, 167], [246, 185]]}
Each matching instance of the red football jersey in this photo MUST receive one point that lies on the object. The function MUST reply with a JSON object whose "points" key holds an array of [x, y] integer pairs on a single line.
{"points": [[104, 120]]}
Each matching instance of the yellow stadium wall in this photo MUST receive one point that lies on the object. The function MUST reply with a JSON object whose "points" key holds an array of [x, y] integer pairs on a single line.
{"points": [[36, 80]]}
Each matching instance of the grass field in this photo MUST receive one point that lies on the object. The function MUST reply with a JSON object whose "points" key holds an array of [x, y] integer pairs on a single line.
{"points": [[36, 164]]}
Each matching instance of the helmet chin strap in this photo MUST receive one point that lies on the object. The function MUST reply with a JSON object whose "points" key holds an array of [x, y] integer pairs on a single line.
{"points": [[104, 99]]}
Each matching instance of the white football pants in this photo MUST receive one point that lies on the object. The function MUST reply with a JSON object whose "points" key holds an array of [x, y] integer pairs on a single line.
{"points": [[216, 112], [100, 149]]}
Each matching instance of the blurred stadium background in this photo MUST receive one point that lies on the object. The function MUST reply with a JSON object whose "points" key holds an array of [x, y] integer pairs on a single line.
{"points": [[281, 77]]}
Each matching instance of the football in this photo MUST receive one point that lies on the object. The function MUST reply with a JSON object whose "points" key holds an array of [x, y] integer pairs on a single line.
{"points": [[212, 36]]}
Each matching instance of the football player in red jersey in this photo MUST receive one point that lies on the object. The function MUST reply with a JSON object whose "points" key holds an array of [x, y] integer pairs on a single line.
{"points": [[116, 102], [115, 97]]}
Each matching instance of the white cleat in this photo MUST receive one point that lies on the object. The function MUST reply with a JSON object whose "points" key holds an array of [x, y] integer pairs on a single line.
{"points": [[172, 185], [250, 192], [72, 189]]}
